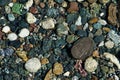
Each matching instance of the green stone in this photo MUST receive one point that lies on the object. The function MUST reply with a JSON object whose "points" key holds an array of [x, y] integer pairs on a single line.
{"points": [[17, 8], [71, 38]]}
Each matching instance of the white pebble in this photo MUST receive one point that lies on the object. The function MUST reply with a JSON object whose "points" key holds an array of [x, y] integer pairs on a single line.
{"points": [[101, 44], [6, 29], [102, 22], [67, 73], [109, 44], [31, 18], [85, 26], [112, 58], [101, 14], [80, 0], [75, 78], [24, 32], [91, 64], [78, 22], [33, 65], [48, 24], [10, 4], [28, 4], [12, 36]]}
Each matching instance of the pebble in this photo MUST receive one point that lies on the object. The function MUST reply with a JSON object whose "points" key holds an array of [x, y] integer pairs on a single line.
{"points": [[91, 64], [106, 29], [109, 44], [28, 4], [85, 4], [73, 7], [12, 36], [98, 32], [82, 33], [80, 0], [7, 9], [48, 24], [71, 38], [57, 68], [82, 48], [10, 4], [95, 53], [78, 22], [91, 1], [17, 8], [102, 22], [23, 55], [4, 2], [113, 59], [93, 20], [67, 74], [44, 61], [97, 25], [42, 5], [11, 17], [75, 78], [6, 29], [33, 65], [49, 75], [62, 29], [33, 10], [114, 37], [24, 32], [104, 1], [64, 4], [31, 18], [99, 39]]}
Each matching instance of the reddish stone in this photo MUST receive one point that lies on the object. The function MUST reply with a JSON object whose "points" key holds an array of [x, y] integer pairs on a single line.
{"points": [[73, 7], [33, 10]]}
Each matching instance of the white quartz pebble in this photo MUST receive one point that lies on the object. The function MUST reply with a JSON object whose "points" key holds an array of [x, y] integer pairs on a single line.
{"points": [[78, 22], [33, 65], [24, 32], [28, 4], [109, 44], [6, 29], [31, 18], [12, 36], [67, 73]]}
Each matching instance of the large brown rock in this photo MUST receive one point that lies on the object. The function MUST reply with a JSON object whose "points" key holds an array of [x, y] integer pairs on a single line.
{"points": [[83, 48]]}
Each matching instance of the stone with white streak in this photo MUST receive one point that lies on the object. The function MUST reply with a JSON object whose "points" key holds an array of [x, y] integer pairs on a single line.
{"points": [[24, 32], [31, 18]]}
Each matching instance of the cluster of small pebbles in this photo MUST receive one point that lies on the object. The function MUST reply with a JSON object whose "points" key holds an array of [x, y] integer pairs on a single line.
{"points": [[59, 39]]}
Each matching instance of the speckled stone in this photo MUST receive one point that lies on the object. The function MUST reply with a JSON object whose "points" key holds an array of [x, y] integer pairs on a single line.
{"points": [[58, 68]]}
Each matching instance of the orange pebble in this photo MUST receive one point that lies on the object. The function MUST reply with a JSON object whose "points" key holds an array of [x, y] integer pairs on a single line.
{"points": [[106, 29], [95, 53], [93, 20]]}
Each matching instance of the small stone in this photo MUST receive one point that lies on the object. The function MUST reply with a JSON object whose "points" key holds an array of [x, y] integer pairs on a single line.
{"points": [[42, 5], [113, 59], [24, 32], [10, 4], [91, 64], [105, 69], [23, 55], [91, 1], [98, 32], [78, 22], [73, 7], [33, 65], [99, 39], [33, 10], [6, 29], [82, 33], [62, 29], [75, 78], [93, 20], [97, 25], [48, 24], [109, 44], [106, 29], [95, 53], [104, 1], [17, 8], [4, 2], [94, 77], [64, 4], [7, 9], [31, 18], [71, 38], [44, 61], [80, 0], [85, 4], [11, 17], [67, 74], [102, 22], [12, 36], [14, 1], [59, 1], [28, 4], [49, 75], [83, 48], [101, 44], [58, 68], [36, 2]]}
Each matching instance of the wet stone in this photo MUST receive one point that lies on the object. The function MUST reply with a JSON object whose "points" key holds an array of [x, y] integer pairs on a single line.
{"points": [[82, 48]]}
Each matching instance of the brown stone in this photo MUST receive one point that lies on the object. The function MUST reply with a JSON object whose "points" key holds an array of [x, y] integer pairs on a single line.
{"points": [[44, 61], [94, 77], [73, 7], [112, 17], [33, 10], [91, 1], [85, 4], [49, 75], [83, 48], [93, 20]]}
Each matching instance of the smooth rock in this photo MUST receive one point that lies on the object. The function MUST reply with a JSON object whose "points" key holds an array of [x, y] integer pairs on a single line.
{"points": [[6, 29], [48, 24], [31, 18], [93, 20], [83, 48], [4, 2], [78, 22], [91, 64], [109, 44], [102, 22], [28, 4], [67, 73], [98, 32], [97, 25], [24, 32], [58, 68], [80, 0], [73, 7], [7, 9], [11, 17], [12, 36], [75, 78], [33, 65]]}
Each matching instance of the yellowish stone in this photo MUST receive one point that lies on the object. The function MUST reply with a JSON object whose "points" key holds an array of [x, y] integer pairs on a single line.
{"points": [[22, 54], [58, 68], [44, 61]]}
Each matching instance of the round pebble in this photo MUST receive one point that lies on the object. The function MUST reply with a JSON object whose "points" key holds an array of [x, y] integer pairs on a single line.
{"points": [[33, 65], [12, 36], [109, 44], [58, 68], [91, 64], [75, 78], [11, 17], [6, 29], [31, 18], [24, 32]]}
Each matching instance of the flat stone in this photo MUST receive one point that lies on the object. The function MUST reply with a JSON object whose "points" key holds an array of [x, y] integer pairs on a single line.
{"points": [[83, 48]]}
